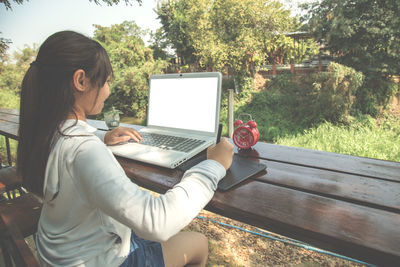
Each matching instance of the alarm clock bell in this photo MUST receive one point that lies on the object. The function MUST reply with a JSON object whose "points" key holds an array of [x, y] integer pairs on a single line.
{"points": [[246, 134]]}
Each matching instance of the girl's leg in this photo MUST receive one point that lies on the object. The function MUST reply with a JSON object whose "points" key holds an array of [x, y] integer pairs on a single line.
{"points": [[185, 249]]}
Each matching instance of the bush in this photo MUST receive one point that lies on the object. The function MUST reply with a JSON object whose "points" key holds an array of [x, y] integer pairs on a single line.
{"points": [[324, 96], [9, 99], [337, 88], [375, 94], [293, 103]]}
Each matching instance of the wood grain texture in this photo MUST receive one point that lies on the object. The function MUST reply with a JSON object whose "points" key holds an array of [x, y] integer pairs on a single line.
{"points": [[9, 129], [9, 111], [349, 229], [357, 231], [25, 212], [9, 117], [15, 243], [342, 186], [374, 168]]}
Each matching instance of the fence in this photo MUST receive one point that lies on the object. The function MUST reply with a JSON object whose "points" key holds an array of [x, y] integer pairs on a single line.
{"points": [[305, 67]]}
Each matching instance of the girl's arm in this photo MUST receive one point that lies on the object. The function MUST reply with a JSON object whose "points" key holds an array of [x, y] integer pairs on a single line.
{"points": [[106, 186]]}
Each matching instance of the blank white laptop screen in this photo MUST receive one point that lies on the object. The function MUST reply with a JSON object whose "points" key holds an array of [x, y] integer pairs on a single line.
{"points": [[184, 103]]}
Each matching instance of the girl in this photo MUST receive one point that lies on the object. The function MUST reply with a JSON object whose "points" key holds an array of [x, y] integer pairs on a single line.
{"points": [[93, 215]]}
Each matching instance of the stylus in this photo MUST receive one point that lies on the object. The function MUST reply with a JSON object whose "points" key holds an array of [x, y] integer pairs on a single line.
{"points": [[219, 133]]}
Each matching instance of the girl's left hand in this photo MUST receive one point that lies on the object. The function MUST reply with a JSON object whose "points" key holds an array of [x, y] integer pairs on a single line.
{"points": [[121, 134]]}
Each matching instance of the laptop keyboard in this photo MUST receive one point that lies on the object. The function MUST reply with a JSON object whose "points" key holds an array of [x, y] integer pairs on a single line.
{"points": [[169, 142]]}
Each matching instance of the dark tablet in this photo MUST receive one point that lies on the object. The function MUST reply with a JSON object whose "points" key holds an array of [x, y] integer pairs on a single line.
{"points": [[240, 170]]}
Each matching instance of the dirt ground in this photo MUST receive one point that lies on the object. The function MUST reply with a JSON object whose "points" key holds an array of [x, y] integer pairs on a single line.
{"points": [[230, 247], [233, 247]]}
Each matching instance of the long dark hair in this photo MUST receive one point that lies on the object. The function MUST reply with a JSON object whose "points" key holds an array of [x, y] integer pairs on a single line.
{"points": [[47, 98]]}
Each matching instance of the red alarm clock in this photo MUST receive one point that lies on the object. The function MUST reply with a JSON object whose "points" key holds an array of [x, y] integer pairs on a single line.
{"points": [[246, 134]]}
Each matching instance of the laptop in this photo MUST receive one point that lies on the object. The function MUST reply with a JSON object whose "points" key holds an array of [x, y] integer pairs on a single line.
{"points": [[182, 119]]}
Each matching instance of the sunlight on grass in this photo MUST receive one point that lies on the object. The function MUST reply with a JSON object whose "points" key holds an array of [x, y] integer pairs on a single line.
{"points": [[132, 120], [363, 138], [3, 150]]}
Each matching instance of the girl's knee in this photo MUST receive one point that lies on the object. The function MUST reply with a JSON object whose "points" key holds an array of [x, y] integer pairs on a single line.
{"points": [[186, 248], [204, 241]]}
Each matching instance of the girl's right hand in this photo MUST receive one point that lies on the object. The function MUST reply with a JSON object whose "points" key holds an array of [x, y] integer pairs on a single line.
{"points": [[221, 152]]}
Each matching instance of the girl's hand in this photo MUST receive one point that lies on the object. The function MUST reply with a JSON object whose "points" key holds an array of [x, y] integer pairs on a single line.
{"points": [[221, 152], [121, 134]]}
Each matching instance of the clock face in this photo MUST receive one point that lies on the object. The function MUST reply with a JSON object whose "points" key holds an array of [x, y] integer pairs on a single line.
{"points": [[243, 137]]}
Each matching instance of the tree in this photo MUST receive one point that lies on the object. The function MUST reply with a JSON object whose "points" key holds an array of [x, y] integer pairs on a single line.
{"points": [[365, 35], [132, 62], [176, 27], [160, 45], [4, 45], [8, 4], [227, 33], [13, 71]]}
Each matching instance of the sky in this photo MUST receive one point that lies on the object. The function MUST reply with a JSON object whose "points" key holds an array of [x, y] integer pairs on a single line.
{"points": [[35, 20]]}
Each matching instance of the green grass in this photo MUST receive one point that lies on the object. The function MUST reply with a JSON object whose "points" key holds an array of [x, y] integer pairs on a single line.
{"points": [[132, 120], [364, 137], [3, 150], [9, 99]]}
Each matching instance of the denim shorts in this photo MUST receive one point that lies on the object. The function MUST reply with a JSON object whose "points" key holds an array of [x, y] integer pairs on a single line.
{"points": [[144, 253]]}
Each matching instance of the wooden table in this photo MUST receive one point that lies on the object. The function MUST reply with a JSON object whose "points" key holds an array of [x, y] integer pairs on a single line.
{"points": [[344, 204], [9, 119]]}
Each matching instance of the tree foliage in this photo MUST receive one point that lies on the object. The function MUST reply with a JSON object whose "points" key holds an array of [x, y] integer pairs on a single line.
{"points": [[8, 4], [176, 27], [132, 62], [365, 35], [4, 45], [232, 33], [160, 45], [13, 69]]}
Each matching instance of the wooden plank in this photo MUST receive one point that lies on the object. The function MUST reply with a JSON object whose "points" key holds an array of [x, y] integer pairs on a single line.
{"points": [[16, 244], [364, 233], [9, 117], [25, 210], [157, 179], [380, 169], [356, 189], [350, 229], [9, 111], [9, 129], [351, 188]]}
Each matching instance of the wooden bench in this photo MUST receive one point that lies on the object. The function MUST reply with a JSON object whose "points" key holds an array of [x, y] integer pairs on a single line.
{"points": [[14, 245], [10, 182], [19, 219], [19, 216]]}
